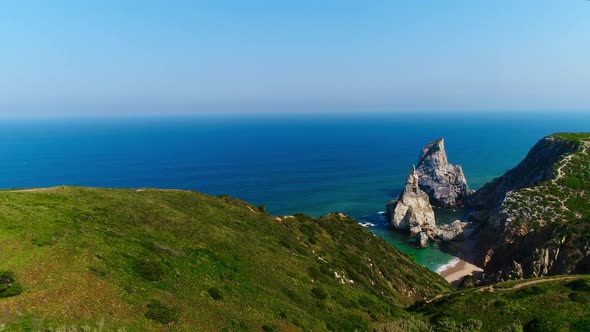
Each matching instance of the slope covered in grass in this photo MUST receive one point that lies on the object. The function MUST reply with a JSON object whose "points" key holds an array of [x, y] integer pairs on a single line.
{"points": [[550, 304], [179, 260]]}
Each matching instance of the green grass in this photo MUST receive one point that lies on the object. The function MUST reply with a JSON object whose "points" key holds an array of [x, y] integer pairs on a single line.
{"points": [[557, 305], [150, 260], [573, 136]]}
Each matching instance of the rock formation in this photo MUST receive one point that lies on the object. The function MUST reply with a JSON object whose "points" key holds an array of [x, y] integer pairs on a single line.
{"points": [[451, 232], [513, 240], [412, 210], [444, 183], [536, 167]]}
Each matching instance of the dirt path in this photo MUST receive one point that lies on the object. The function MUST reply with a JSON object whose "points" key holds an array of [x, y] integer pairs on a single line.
{"points": [[29, 190], [517, 286], [523, 284], [560, 172], [566, 160]]}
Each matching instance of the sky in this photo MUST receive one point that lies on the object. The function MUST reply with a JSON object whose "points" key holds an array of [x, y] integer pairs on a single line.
{"points": [[194, 56]]}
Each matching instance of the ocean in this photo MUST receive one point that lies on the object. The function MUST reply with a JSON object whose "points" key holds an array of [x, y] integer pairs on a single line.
{"points": [[310, 163]]}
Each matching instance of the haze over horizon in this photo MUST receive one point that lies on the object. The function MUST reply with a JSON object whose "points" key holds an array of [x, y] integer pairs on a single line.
{"points": [[82, 58]]}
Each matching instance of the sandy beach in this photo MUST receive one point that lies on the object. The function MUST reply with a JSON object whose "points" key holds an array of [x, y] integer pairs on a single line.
{"points": [[454, 273], [460, 267]]}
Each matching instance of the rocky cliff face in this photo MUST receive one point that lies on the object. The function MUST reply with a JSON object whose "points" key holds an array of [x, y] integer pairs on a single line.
{"points": [[444, 183], [536, 167], [412, 210], [531, 219]]}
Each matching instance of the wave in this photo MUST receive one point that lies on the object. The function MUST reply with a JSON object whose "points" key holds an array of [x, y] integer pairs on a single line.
{"points": [[449, 265]]}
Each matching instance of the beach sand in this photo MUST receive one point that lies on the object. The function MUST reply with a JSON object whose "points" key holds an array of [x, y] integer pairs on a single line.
{"points": [[453, 274], [461, 266]]}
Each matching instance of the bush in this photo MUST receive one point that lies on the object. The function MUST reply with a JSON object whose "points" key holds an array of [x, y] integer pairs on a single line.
{"points": [[468, 281], [514, 327], [161, 313], [269, 328], [571, 182], [540, 324], [579, 297], [404, 325], [579, 285], [149, 270], [215, 293], [8, 285], [319, 293]]}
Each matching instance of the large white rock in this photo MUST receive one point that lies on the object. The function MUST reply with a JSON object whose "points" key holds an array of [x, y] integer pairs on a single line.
{"points": [[412, 209]]}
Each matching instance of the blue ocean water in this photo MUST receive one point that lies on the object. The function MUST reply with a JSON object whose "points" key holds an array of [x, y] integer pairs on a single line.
{"points": [[316, 164]]}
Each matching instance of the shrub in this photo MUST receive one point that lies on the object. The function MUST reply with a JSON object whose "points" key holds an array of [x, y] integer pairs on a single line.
{"points": [[514, 327], [149, 270], [319, 293], [347, 323], [215, 293], [8, 285], [404, 325], [580, 285], [540, 324], [161, 313], [579, 297], [571, 182], [468, 281], [447, 325]]}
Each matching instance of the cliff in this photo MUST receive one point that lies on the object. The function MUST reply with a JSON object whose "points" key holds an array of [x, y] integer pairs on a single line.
{"points": [[444, 183], [536, 167], [531, 220]]}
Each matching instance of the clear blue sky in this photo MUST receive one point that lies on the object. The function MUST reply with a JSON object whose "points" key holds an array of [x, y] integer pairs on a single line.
{"points": [[407, 55]]}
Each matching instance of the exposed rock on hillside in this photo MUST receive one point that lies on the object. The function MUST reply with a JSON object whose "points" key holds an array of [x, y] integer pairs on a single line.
{"points": [[444, 183], [412, 210], [536, 167], [532, 218], [450, 232]]}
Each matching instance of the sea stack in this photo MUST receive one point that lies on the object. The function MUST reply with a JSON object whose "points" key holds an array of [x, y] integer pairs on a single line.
{"points": [[412, 210], [444, 183]]}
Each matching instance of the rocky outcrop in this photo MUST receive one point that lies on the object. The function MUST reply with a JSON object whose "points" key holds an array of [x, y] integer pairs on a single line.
{"points": [[536, 167], [412, 210], [513, 240], [422, 240], [444, 183], [450, 232]]}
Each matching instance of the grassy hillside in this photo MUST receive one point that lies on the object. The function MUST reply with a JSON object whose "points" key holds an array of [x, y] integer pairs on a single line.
{"points": [[558, 304], [565, 197], [177, 260]]}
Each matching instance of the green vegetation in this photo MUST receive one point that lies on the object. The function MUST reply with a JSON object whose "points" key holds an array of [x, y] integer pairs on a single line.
{"points": [[161, 313], [548, 305], [577, 137], [561, 200], [8, 285], [147, 260], [153, 260]]}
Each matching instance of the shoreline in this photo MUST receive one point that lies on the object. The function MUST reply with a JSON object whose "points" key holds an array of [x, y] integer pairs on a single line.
{"points": [[459, 267], [453, 274]]}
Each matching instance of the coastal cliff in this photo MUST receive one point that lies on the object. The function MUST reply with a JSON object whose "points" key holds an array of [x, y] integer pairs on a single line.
{"points": [[533, 220], [444, 183]]}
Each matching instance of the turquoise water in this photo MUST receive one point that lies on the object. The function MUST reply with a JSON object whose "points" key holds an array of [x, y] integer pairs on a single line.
{"points": [[316, 164], [431, 257]]}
